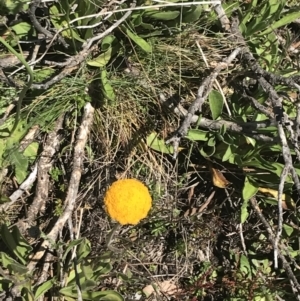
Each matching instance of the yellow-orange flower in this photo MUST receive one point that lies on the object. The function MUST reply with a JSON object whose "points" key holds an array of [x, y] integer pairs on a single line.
{"points": [[128, 201]]}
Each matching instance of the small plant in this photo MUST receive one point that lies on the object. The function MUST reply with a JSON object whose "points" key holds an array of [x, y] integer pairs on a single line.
{"points": [[79, 272], [55, 173]]}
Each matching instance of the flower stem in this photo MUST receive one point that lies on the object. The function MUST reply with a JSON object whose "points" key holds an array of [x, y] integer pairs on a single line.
{"points": [[110, 239]]}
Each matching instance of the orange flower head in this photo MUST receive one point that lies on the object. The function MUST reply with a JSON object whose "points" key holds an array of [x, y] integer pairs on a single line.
{"points": [[128, 201]]}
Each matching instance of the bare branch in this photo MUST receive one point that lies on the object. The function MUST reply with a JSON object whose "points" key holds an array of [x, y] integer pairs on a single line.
{"points": [[203, 92], [73, 185]]}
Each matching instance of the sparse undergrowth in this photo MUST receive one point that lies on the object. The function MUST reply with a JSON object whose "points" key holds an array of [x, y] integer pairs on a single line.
{"points": [[107, 91]]}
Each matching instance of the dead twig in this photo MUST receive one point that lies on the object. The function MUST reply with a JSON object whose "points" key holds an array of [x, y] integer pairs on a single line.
{"points": [[88, 47], [44, 166], [267, 80], [292, 278], [203, 92], [243, 128], [23, 188], [31, 12], [73, 185]]}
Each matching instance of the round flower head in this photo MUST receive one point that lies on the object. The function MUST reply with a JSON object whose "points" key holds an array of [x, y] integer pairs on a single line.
{"points": [[128, 201]]}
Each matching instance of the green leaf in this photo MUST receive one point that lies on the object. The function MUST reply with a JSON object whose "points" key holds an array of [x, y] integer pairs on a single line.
{"points": [[88, 284], [109, 46], [87, 269], [249, 190], [289, 17], [209, 149], [106, 87], [139, 41], [245, 267], [244, 211], [31, 150], [288, 229], [4, 199], [84, 249], [15, 242], [21, 165], [101, 60], [18, 134], [193, 14], [44, 287], [21, 29], [96, 296], [107, 42], [159, 144], [71, 245], [228, 153], [13, 6], [162, 15], [197, 135], [43, 73], [13, 266], [60, 21], [215, 103], [101, 268]]}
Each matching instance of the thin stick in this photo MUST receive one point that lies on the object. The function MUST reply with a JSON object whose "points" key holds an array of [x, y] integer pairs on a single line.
{"points": [[73, 185]]}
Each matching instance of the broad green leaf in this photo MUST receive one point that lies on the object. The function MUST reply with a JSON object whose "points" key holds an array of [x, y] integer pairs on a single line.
{"points": [[13, 266], [18, 159], [21, 29], [110, 46], [31, 150], [4, 199], [275, 7], [245, 267], [71, 245], [101, 268], [159, 144], [288, 229], [88, 285], [244, 211], [20, 163], [44, 287], [197, 135], [60, 21], [193, 14], [139, 41], [215, 103], [13, 6], [209, 149], [228, 153], [149, 27], [27, 294], [87, 269], [101, 60], [162, 15], [137, 20], [87, 7], [84, 249], [107, 295], [13, 140], [15, 242], [289, 17], [107, 42], [107, 88], [42, 74], [249, 190]]}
